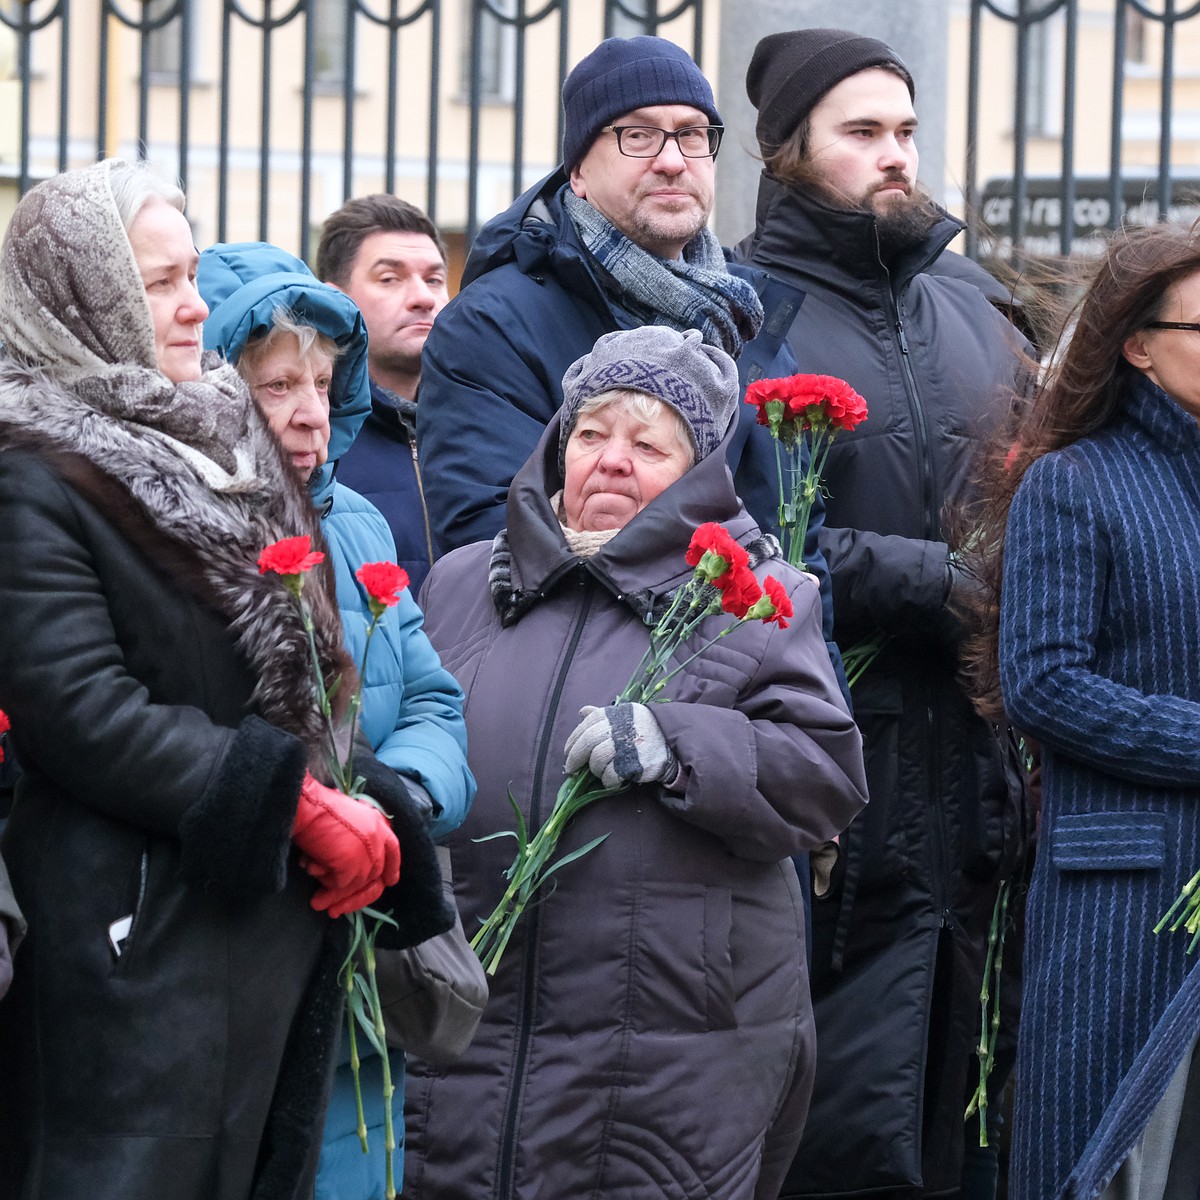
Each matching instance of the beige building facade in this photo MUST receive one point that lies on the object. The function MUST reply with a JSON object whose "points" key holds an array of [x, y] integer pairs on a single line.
{"points": [[432, 60]]}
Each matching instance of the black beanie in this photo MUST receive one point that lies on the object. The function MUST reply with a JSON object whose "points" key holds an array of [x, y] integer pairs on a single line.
{"points": [[622, 74], [790, 72]]}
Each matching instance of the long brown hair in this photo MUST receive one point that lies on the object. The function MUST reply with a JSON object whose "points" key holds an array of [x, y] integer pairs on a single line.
{"points": [[1079, 394]]}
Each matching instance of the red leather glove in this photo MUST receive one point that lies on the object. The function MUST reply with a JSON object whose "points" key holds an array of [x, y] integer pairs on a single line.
{"points": [[347, 846]]}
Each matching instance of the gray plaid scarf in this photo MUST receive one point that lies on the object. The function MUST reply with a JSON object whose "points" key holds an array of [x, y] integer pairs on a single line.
{"points": [[696, 293]]}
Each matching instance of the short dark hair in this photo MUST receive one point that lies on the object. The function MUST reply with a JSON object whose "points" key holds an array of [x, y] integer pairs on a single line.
{"points": [[346, 229], [789, 162]]}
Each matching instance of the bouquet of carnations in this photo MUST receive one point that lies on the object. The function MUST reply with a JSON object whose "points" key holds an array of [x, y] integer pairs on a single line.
{"points": [[292, 559], [721, 581]]}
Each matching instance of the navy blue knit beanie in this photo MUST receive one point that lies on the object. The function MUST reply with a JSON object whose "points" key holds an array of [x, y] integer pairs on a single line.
{"points": [[622, 74], [790, 72]]}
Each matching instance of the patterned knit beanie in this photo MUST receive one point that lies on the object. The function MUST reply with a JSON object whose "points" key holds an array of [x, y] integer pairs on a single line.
{"points": [[790, 72], [698, 381], [622, 74]]}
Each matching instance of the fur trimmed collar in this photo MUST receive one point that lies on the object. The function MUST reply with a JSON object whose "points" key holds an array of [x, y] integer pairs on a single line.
{"points": [[161, 501]]}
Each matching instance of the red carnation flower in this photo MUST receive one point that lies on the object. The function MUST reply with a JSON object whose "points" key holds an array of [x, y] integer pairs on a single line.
{"points": [[4, 728], [740, 591], [714, 553], [779, 601], [290, 556], [384, 582]]}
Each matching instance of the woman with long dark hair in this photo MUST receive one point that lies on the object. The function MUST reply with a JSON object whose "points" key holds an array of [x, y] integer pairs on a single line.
{"points": [[1091, 543]]}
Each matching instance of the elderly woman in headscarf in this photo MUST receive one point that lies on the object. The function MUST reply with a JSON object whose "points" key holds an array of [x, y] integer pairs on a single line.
{"points": [[170, 1029], [650, 1030], [301, 346]]}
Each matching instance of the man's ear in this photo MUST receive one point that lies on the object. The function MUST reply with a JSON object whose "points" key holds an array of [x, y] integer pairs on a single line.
{"points": [[1134, 350], [577, 184]]}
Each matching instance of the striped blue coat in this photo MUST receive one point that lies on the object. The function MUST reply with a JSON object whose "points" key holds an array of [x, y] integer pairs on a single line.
{"points": [[1100, 659]]}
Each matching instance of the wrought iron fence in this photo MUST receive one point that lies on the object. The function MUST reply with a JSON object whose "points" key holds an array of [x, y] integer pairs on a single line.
{"points": [[1135, 44], [272, 112], [345, 95]]}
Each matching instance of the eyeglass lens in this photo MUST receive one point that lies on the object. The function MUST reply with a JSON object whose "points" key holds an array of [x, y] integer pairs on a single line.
{"points": [[645, 141]]}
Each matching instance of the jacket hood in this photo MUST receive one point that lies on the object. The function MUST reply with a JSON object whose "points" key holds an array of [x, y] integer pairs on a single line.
{"points": [[244, 283], [647, 556], [787, 218]]}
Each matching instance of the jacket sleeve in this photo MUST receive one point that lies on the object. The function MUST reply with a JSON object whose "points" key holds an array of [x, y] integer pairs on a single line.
{"points": [[485, 399], [429, 742], [888, 583], [10, 914], [780, 771], [1057, 572], [80, 719]]}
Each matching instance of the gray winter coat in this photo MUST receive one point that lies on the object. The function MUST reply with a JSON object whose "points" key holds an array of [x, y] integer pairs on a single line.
{"points": [[650, 1030]]}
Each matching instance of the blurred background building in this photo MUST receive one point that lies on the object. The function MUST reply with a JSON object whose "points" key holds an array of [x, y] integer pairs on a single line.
{"points": [[271, 112]]}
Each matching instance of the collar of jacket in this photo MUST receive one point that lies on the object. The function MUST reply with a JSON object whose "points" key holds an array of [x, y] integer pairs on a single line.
{"points": [[645, 562], [537, 236], [791, 224], [1160, 415]]}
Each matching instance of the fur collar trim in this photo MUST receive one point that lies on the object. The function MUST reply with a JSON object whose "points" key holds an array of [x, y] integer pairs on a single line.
{"points": [[160, 500]]}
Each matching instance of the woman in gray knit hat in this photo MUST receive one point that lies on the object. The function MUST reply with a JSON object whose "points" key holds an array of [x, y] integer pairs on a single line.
{"points": [[649, 1032]]}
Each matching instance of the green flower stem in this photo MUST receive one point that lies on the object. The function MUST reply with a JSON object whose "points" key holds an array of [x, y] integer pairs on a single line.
{"points": [[356, 699], [355, 1062], [989, 1006], [1188, 901], [375, 1007], [532, 866]]}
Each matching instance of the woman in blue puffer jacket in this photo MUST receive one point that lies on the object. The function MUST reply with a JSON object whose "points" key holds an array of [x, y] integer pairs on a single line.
{"points": [[301, 345]]}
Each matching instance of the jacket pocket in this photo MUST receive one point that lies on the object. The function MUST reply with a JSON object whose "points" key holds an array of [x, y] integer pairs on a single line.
{"points": [[1108, 841], [682, 972], [123, 932]]}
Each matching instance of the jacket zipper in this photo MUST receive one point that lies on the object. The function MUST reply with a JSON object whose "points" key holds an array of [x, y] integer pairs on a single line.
{"points": [[934, 757], [424, 507], [507, 1182]]}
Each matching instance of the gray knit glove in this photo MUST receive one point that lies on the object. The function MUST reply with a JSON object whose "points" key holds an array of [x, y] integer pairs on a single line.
{"points": [[622, 744]]}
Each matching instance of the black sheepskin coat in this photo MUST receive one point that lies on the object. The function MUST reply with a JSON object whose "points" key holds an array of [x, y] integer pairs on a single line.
{"points": [[194, 1063]]}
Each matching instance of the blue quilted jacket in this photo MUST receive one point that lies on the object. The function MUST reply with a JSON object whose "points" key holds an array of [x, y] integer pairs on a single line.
{"points": [[411, 707]]}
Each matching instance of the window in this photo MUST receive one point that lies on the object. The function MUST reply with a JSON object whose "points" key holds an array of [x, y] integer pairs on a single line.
{"points": [[329, 42], [622, 24], [497, 51], [164, 44], [1136, 48], [1044, 77]]}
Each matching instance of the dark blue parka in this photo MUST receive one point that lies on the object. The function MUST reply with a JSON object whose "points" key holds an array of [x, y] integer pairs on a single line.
{"points": [[382, 467], [533, 301]]}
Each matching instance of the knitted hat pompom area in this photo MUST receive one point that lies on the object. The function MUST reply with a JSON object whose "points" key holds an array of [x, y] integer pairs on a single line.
{"points": [[790, 72], [623, 74]]}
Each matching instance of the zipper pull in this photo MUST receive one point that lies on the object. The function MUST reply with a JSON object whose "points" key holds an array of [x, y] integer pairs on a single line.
{"points": [[903, 339]]}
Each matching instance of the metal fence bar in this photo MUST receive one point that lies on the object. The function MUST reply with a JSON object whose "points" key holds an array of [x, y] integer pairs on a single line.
{"points": [[1066, 227], [1166, 92], [1117, 115], [971, 182]]}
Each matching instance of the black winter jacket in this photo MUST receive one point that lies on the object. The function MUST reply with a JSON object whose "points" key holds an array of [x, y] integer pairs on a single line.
{"points": [[899, 940], [171, 1027]]}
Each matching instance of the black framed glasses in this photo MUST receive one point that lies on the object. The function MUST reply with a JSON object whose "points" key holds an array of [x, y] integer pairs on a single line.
{"points": [[647, 141], [1192, 325]]}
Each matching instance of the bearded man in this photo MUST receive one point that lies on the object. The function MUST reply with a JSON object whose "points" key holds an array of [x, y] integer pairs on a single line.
{"points": [[899, 939]]}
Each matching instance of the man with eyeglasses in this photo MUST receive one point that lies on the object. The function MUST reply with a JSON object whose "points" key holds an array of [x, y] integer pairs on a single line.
{"points": [[615, 238], [901, 937]]}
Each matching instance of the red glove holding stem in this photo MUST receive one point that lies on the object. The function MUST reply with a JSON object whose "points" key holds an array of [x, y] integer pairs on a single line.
{"points": [[347, 846]]}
